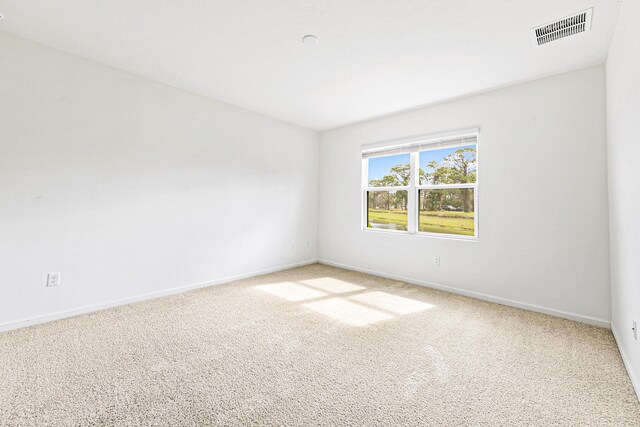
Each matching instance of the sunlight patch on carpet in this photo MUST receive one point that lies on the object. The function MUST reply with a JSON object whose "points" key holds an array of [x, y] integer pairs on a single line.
{"points": [[390, 302], [348, 312], [332, 285], [291, 291]]}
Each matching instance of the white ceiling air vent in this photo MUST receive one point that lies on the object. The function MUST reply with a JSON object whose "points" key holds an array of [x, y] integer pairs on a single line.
{"points": [[565, 27]]}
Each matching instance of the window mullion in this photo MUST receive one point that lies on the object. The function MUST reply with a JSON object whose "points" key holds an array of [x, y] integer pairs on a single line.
{"points": [[445, 186], [404, 188], [412, 204]]}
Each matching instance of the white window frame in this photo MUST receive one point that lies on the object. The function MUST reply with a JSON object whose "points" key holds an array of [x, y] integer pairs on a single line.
{"points": [[422, 143]]}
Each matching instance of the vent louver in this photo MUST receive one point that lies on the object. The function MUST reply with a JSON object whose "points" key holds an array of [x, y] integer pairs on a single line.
{"points": [[565, 27]]}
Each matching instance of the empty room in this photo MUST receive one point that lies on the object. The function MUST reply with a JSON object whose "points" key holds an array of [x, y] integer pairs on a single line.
{"points": [[319, 213]]}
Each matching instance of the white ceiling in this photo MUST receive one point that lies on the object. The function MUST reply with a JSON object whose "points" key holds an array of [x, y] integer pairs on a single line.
{"points": [[374, 57]]}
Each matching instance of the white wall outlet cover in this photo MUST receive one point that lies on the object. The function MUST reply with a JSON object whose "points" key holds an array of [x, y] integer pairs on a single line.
{"points": [[634, 327], [436, 260], [53, 279]]}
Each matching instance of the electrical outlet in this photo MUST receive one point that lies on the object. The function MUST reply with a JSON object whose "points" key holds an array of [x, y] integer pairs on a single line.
{"points": [[635, 330], [307, 244], [53, 279], [436, 260]]}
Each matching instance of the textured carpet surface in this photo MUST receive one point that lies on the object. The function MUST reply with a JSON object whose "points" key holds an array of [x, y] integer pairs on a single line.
{"points": [[314, 346]]}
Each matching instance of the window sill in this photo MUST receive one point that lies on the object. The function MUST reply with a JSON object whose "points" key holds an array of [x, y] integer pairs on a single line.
{"points": [[422, 235]]}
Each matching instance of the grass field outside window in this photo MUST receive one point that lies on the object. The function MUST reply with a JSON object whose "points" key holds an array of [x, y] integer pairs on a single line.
{"points": [[461, 223]]}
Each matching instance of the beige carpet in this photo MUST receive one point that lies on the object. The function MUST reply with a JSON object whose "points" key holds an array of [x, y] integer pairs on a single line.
{"points": [[314, 346]]}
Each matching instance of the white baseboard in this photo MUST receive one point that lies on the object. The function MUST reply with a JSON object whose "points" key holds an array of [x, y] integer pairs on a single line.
{"points": [[97, 307], [124, 301], [627, 363], [499, 300]]}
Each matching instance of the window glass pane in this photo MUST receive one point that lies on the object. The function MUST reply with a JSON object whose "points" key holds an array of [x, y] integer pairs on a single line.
{"points": [[448, 211], [389, 171], [455, 165], [387, 210]]}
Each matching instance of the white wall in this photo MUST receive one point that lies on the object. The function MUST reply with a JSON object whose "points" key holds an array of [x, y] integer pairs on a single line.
{"points": [[623, 115], [542, 198], [129, 187]]}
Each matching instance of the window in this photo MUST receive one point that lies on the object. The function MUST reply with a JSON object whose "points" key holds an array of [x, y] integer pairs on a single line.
{"points": [[387, 210], [426, 185]]}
